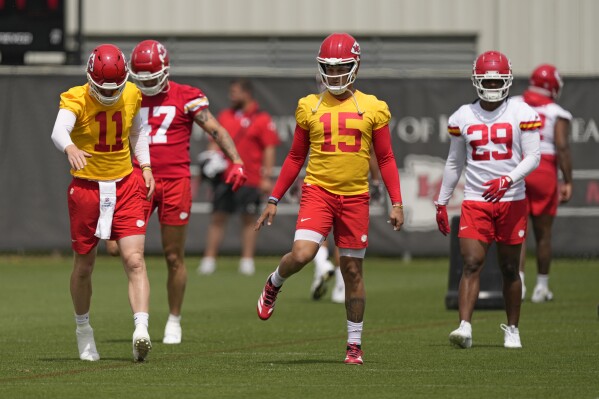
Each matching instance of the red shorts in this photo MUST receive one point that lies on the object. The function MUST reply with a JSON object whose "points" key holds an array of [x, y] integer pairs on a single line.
{"points": [[541, 188], [503, 222], [348, 215], [172, 198], [84, 211]]}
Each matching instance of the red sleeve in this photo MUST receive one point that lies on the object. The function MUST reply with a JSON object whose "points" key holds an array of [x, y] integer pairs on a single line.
{"points": [[381, 140], [293, 162]]}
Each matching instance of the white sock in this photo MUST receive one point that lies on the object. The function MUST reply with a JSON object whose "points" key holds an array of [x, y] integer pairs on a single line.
{"points": [[522, 277], [141, 318], [543, 280], [174, 319], [246, 262], [339, 278], [276, 278], [208, 261], [321, 256], [82, 320], [354, 332]]}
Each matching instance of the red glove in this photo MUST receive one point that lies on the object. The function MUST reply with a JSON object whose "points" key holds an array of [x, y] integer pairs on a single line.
{"points": [[442, 220], [236, 177], [497, 188]]}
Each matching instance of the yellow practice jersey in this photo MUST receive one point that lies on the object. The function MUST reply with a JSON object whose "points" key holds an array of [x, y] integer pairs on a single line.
{"points": [[340, 139], [102, 131]]}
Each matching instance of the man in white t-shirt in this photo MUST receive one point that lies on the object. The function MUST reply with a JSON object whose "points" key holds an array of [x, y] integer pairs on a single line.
{"points": [[498, 141], [543, 193]]}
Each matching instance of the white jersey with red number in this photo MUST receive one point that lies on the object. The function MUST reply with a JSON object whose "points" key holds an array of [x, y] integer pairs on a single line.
{"points": [[549, 114], [170, 116], [492, 141]]}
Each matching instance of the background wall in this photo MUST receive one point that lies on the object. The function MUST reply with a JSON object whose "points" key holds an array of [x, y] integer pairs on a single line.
{"points": [[530, 32]]}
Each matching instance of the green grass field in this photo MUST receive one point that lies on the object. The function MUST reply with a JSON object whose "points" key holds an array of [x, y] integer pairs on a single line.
{"points": [[227, 352]]}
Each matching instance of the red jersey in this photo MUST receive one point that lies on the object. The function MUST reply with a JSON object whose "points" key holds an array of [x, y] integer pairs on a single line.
{"points": [[252, 132], [170, 117]]}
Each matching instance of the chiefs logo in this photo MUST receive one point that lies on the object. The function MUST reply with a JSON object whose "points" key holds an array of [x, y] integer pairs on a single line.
{"points": [[355, 49], [90, 62], [161, 52]]}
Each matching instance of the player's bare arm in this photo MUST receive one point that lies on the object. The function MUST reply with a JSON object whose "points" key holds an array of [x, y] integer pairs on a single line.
{"points": [[562, 128], [221, 137]]}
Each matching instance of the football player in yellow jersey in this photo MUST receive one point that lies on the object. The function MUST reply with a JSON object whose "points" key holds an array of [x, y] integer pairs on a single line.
{"points": [[337, 128], [97, 126]]}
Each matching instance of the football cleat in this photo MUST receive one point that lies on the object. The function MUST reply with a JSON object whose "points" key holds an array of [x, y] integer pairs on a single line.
{"points": [[353, 355], [338, 294], [266, 302], [541, 294], [172, 333], [247, 268], [141, 344], [511, 337], [462, 336], [207, 266], [86, 344], [321, 278]]}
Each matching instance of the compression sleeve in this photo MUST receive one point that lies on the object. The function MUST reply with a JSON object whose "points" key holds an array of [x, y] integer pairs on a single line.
{"points": [[456, 160], [381, 141], [531, 157], [293, 162], [138, 137], [61, 133]]}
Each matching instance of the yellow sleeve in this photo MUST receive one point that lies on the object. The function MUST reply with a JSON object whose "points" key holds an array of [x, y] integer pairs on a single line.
{"points": [[73, 100], [382, 115], [301, 115]]}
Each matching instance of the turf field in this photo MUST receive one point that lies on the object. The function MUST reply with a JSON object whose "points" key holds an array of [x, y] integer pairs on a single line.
{"points": [[227, 352]]}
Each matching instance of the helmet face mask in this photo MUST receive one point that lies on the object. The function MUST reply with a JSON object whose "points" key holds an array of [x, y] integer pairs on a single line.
{"points": [[149, 66], [107, 74], [492, 66], [338, 62], [546, 80]]}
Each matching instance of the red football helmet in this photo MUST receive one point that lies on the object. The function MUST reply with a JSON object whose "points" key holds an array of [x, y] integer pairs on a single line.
{"points": [[149, 62], [492, 65], [545, 80], [341, 50], [107, 72]]}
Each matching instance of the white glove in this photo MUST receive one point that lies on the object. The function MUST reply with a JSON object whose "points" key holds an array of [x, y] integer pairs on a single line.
{"points": [[212, 163]]}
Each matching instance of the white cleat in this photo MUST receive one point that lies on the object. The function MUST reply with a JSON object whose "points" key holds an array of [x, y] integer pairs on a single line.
{"points": [[172, 333], [462, 336], [87, 344], [511, 337], [206, 267], [338, 294], [245, 268], [323, 271], [141, 344], [541, 294]]}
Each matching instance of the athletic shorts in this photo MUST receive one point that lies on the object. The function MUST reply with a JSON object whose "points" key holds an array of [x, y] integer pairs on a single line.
{"points": [[503, 222], [245, 200], [541, 188], [347, 215], [172, 199], [84, 211]]}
